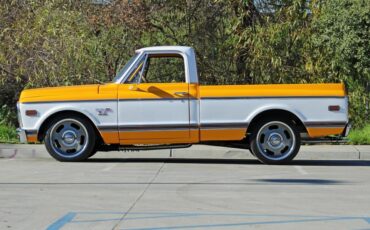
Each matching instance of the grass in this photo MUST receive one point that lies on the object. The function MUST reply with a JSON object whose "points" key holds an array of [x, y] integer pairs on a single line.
{"points": [[8, 134], [360, 136]]}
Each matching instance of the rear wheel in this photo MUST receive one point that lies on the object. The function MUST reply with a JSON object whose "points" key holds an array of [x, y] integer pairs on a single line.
{"points": [[70, 138], [275, 141], [96, 148]]}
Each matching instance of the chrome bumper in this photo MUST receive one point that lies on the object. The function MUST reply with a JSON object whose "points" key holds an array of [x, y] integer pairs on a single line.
{"points": [[346, 130], [22, 135]]}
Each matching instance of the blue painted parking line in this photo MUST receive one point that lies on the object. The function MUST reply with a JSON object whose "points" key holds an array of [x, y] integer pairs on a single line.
{"points": [[69, 218], [62, 221]]}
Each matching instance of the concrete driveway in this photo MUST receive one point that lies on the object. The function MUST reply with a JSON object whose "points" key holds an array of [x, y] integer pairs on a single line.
{"points": [[326, 187]]}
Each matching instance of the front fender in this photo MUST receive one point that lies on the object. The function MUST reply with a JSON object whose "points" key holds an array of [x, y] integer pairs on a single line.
{"points": [[58, 109], [46, 110]]}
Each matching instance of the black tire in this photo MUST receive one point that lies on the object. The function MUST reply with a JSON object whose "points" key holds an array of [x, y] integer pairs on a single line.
{"points": [[98, 144], [95, 150], [275, 141], [70, 138]]}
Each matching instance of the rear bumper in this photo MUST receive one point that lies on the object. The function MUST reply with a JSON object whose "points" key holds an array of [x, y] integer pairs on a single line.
{"points": [[346, 130]]}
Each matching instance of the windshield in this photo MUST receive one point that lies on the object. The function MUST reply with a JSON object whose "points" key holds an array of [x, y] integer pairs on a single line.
{"points": [[124, 69]]}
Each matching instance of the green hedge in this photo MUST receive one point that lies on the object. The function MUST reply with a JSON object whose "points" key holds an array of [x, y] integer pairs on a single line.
{"points": [[360, 136], [8, 134]]}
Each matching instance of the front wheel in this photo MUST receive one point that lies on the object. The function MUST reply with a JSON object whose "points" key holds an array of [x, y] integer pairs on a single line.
{"points": [[275, 141], [70, 138]]}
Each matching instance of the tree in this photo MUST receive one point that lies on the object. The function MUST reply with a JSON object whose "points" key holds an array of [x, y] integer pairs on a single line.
{"points": [[341, 50]]}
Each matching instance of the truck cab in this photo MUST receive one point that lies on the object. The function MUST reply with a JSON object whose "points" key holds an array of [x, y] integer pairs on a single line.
{"points": [[158, 95]]}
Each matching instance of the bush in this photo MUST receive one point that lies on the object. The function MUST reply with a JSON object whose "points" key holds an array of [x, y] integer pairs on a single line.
{"points": [[340, 50], [360, 136], [8, 116], [8, 134]]}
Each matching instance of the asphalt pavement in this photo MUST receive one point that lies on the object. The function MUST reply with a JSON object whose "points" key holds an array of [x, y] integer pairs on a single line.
{"points": [[202, 187]]}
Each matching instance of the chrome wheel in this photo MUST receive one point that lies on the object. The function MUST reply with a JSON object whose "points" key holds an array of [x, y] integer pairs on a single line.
{"points": [[68, 138], [276, 140]]}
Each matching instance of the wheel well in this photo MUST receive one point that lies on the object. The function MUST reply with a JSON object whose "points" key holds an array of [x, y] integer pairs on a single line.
{"points": [[278, 113], [44, 126]]}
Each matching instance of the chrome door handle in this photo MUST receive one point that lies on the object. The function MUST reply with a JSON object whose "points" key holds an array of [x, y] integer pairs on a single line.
{"points": [[181, 94]]}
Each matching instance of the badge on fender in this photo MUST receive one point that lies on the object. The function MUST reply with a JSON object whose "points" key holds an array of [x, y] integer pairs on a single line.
{"points": [[104, 111]]}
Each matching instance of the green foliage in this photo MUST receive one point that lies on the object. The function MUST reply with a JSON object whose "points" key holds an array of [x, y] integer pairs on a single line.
{"points": [[7, 116], [7, 120], [8, 134], [360, 136], [340, 41], [276, 45], [52, 43], [174, 71], [62, 42]]}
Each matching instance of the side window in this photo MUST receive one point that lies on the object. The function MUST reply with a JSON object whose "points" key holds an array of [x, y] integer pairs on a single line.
{"points": [[164, 69], [168, 68]]}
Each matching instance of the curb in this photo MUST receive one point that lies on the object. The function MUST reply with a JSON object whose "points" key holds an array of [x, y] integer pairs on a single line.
{"points": [[313, 152]]}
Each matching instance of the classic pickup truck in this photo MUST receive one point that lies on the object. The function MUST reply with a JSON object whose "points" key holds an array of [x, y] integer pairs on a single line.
{"points": [[155, 101]]}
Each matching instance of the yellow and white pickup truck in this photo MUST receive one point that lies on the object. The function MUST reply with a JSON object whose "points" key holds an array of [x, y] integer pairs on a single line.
{"points": [[155, 101]]}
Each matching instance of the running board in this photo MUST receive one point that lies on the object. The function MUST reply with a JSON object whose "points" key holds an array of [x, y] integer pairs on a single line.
{"points": [[229, 144], [107, 148], [333, 140], [153, 147]]}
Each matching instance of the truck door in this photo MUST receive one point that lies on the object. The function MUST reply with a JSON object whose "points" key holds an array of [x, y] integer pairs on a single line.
{"points": [[153, 102]]}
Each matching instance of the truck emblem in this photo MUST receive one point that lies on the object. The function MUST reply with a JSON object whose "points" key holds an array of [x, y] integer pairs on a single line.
{"points": [[104, 111]]}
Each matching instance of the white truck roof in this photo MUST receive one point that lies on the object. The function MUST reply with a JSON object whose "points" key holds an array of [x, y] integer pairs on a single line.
{"points": [[183, 49]]}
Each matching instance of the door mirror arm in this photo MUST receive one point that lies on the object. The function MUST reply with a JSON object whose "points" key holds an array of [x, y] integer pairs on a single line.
{"points": [[134, 87]]}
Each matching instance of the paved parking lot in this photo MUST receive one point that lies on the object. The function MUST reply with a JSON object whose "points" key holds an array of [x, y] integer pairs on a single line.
{"points": [[202, 187]]}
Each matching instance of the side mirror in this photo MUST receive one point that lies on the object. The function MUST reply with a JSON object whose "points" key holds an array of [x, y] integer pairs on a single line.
{"points": [[133, 87]]}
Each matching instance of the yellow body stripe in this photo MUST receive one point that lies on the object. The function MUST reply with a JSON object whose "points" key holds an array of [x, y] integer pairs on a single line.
{"points": [[110, 137], [276, 90], [70, 93], [157, 137], [152, 91], [167, 90], [222, 134], [324, 131], [32, 138], [168, 134]]}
